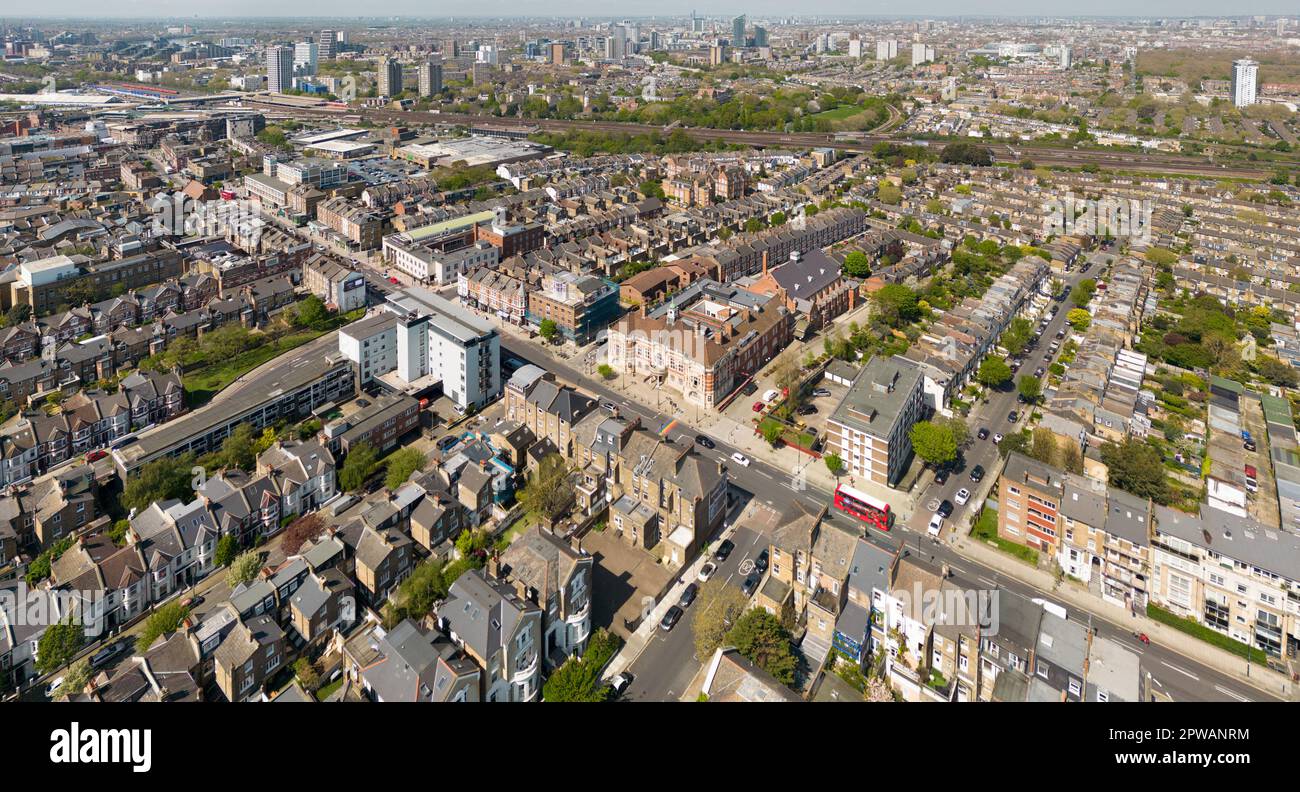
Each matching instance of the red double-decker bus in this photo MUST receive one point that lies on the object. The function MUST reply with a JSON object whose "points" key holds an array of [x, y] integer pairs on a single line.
{"points": [[863, 506]]}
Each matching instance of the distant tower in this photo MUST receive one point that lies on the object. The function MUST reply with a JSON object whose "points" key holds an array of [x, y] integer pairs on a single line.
{"points": [[1244, 74], [279, 69], [738, 31]]}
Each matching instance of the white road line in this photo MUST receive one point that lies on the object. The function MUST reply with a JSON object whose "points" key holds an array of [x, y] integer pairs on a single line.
{"points": [[1231, 694], [1181, 671], [987, 582]]}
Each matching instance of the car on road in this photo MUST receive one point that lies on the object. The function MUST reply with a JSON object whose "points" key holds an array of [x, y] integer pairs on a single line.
{"points": [[941, 476], [759, 406], [1012, 416], [740, 459], [751, 584], [806, 409], [1060, 333], [688, 596], [945, 509], [760, 563], [823, 392], [609, 406], [670, 618], [707, 571], [620, 683], [53, 687], [394, 281], [724, 549], [705, 441], [983, 433], [109, 652], [935, 527], [997, 438], [977, 473], [962, 496]]}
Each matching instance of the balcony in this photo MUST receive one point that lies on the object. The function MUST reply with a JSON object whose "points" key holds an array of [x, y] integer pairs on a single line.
{"points": [[526, 666]]}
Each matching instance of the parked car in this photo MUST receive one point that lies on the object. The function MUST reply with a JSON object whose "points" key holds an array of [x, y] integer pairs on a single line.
{"points": [[983, 433], [823, 392], [670, 619], [1249, 445], [688, 596], [705, 441], [759, 406], [806, 409], [962, 496], [945, 509], [941, 476], [96, 455], [1038, 372], [750, 389], [1012, 416], [771, 395], [997, 438], [724, 549], [192, 601], [760, 563], [935, 527], [751, 584], [977, 473], [619, 684], [740, 459], [394, 281], [53, 687], [109, 652], [447, 442], [707, 571]]}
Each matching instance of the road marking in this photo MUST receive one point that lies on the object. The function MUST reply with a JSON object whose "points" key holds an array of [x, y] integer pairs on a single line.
{"points": [[987, 582], [1180, 670], [1231, 694]]}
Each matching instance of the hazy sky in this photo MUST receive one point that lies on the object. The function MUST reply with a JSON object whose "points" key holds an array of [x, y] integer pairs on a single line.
{"points": [[607, 8]]}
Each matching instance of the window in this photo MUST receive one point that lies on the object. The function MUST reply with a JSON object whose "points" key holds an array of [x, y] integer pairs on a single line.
{"points": [[1074, 687]]}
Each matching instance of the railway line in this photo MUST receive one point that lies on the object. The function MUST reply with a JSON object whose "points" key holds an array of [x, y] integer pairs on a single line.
{"points": [[1063, 157]]}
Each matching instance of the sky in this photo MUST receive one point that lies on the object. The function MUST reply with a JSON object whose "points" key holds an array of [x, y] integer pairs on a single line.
{"points": [[160, 9]]}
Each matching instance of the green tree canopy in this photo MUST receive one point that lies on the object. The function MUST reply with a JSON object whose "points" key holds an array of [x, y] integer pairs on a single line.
{"points": [[933, 443], [361, 463], [993, 371], [1030, 387], [760, 637], [1137, 468], [857, 264], [401, 464]]}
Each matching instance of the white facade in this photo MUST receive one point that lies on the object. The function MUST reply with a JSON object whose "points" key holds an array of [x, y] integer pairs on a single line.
{"points": [[372, 345], [463, 351], [1245, 73]]}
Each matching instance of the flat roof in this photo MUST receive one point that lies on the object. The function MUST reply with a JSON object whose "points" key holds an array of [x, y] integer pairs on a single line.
{"points": [[424, 232]]}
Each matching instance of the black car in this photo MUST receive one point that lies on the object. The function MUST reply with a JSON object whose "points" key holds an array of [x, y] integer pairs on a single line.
{"points": [[724, 550], [977, 473], [945, 509], [941, 476], [760, 563], [1249, 445], [750, 389], [671, 618], [705, 441], [447, 442], [983, 433], [750, 584], [806, 409], [688, 596], [1012, 416], [821, 392], [1038, 372]]}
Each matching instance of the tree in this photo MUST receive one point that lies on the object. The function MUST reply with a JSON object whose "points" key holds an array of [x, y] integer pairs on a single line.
{"points": [[1277, 372], [833, 463], [771, 430], [1137, 468], [165, 478], [1016, 442], [244, 568], [227, 548], [59, 644], [1017, 336], [778, 218], [606, 371], [311, 312], [933, 443], [549, 490], [897, 304], [760, 637], [166, 619], [1079, 319], [401, 464], [857, 264], [993, 372], [1083, 293], [888, 193], [416, 595], [716, 609], [1030, 387], [237, 450], [960, 431], [1072, 458], [74, 681], [966, 154], [358, 467], [548, 330], [306, 674], [575, 681], [300, 531]]}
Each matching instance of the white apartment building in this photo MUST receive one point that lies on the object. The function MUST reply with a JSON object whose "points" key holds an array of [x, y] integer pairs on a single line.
{"points": [[1245, 74], [439, 340], [371, 344]]}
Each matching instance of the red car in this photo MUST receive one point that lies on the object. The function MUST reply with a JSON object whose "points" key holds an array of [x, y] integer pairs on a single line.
{"points": [[96, 455], [394, 280], [758, 406]]}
